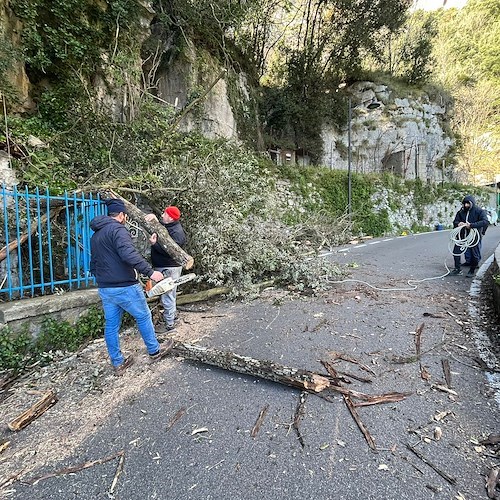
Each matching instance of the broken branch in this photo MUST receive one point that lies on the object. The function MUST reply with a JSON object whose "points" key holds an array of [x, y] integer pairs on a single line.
{"points": [[76, 468], [426, 461], [40, 407]]}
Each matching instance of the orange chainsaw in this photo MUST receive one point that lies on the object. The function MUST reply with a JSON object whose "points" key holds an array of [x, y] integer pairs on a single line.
{"points": [[167, 284]]}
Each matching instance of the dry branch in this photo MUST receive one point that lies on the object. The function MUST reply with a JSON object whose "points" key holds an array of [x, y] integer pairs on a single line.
{"points": [[76, 468], [180, 413], [40, 407], [258, 422], [418, 339], [299, 413], [344, 357], [193, 103], [352, 408], [164, 239], [199, 296], [447, 372], [24, 237], [426, 461]]}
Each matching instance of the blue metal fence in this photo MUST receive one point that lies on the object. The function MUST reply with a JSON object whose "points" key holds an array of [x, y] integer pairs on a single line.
{"points": [[45, 241]]}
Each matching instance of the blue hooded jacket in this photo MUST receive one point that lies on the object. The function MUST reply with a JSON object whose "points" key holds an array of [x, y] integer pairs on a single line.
{"points": [[475, 216], [114, 259]]}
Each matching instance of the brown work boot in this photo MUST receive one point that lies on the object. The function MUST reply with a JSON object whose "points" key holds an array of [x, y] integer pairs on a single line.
{"points": [[163, 351], [120, 370]]}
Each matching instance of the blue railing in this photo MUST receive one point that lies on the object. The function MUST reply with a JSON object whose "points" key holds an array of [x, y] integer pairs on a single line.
{"points": [[45, 242]]}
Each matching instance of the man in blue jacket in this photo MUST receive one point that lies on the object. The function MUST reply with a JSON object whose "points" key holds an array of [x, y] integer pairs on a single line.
{"points": [[469, 217], [164, 263], [115, 263]]}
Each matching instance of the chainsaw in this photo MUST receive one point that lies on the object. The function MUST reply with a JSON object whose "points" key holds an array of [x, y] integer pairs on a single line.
{"points": [[167, 284]]}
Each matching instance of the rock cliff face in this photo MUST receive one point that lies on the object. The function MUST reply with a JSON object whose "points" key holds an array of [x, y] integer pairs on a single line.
{"points": [[405, 136]]}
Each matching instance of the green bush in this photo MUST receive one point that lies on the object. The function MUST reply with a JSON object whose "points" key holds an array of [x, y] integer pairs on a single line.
{"points": [[14, 349], [17, 350], [61, 335]]}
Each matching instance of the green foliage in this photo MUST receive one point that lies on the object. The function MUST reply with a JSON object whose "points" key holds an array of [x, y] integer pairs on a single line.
{"points": [[374, 224], [17, 350], [9, 56], [62, 37], [406, 53], [14, 348], [61, 335]]}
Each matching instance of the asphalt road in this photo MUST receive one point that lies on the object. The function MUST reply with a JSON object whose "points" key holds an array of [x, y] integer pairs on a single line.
{"points": [[377, 328]]}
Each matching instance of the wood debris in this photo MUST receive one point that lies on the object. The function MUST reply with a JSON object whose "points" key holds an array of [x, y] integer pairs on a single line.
{"points": [[180, 413], [4, 446], [493, 484], [352, 409], [40, 407], [491, 439], [258, 422], [447, 372], [424, 373], [344, 357], [299, 413], [119, 470], [443, 388], [418, 339], [444, 475], [76, 468]]}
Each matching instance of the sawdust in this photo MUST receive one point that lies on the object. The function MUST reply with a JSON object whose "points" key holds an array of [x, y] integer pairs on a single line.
{"points": [[88, 393]]}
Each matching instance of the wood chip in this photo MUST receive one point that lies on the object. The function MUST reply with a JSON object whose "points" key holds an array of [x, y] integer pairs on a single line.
{"points": [[258, 423]]}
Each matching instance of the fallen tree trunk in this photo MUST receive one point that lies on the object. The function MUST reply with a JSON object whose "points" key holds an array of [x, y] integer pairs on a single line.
{"points": [[164, 239], [302, 379]]}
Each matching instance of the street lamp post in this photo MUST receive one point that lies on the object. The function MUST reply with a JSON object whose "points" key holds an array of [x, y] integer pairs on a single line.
{"points": [[371, 105], [349, 157]]}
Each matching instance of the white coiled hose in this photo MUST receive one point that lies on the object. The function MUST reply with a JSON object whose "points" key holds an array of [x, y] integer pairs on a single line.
{"points": [[472, 238]]}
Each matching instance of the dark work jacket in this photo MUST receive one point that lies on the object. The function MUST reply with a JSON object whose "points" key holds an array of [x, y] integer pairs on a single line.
{"points": [[159, 257], [476, 216], [114, 259]]}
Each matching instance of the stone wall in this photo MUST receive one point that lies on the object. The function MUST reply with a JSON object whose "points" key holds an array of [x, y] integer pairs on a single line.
{"points": [[404, 136]]}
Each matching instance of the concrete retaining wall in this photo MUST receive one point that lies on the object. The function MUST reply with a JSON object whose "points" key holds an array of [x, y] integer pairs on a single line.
{"points": [[68, 306]]}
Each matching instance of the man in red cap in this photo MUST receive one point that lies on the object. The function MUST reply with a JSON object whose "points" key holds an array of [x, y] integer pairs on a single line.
{"points": [[165, 263]]}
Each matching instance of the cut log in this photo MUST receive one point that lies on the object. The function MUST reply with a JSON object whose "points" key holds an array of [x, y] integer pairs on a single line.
{"points": [[40, 407], [269, 370], [164, 239], [199, 296]]}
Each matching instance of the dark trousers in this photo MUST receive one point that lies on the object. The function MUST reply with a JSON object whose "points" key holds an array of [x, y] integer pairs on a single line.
{"points": [[472, 255]]}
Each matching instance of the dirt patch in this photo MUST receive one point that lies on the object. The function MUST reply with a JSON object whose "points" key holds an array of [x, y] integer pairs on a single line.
{"points": [[88, 393]]}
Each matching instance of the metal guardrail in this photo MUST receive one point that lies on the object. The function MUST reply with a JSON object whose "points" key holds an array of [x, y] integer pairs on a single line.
{"points": [[45, 241]]}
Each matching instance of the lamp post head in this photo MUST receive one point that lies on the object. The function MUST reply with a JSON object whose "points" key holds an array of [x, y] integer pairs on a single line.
{"points": [[373, 105]]}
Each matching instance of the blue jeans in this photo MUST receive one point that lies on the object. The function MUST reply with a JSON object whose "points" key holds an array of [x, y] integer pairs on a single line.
{"points": [[168, 299], [131, 299]]}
